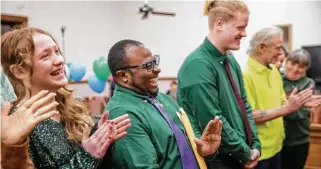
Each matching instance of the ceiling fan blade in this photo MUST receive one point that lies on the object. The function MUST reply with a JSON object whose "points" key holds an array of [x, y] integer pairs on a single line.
{"points": [[164, 13]]}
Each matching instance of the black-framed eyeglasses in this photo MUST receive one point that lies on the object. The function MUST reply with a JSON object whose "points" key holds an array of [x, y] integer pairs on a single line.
{"points": [[149, 65]]}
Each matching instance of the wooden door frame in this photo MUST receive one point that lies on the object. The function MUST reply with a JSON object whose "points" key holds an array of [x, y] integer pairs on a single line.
{"points": [[289, 28], [15, 19]]}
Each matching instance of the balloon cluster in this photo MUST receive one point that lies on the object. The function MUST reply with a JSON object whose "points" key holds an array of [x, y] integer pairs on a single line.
{"points": [[96, 81]]}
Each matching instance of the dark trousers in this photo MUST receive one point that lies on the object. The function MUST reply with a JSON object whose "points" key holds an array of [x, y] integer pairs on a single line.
{"points": [[271, 163], [223, 162], [294, 157]]}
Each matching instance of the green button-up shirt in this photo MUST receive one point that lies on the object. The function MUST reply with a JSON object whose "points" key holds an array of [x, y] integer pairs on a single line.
{"points": [[204, 91], [150, 142]]}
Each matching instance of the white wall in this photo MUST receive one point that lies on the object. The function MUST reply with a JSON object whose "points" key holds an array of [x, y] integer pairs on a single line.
{"points": [[175, 38], [305, 17], [171, 37], [92, 27]]}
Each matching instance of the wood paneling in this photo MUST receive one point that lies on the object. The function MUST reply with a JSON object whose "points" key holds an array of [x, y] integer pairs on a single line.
{"points": [[19, 19], [9, 22], [316, 115], [314, 158], [287, 30]]}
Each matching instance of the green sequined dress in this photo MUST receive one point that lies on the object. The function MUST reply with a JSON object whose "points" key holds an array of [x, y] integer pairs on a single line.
{"points": [[49, 148]]}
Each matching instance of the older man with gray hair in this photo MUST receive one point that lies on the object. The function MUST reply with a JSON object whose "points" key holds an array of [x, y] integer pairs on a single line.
{"points": [[263, 84]]}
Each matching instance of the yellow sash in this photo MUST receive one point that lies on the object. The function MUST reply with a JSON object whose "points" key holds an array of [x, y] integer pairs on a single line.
{"points": [[190, 134]]}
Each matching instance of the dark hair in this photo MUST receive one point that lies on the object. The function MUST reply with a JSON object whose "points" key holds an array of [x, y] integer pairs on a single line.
{"points": [[300, 56], [117, 54]]}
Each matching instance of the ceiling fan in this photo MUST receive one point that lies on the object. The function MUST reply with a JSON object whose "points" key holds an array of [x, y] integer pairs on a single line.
{"points": [[146, 10]]}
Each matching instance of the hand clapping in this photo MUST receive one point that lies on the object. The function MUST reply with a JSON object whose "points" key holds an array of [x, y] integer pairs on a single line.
{"points": [[108, 132], [210, 139], [15, 128]]}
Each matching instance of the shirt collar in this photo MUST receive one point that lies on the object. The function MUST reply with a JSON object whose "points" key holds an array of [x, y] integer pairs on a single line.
{"points": [[213, 50], [127, 91], [257, 66], [294, 81]]}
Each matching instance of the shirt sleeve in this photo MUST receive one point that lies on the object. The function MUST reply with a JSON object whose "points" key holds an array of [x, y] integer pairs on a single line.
{"points": [[249, 98], [136, 149], [203, 98], [7, 92]]}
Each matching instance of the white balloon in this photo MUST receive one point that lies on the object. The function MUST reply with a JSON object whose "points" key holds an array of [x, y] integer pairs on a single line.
{"points": [[67, 72]]}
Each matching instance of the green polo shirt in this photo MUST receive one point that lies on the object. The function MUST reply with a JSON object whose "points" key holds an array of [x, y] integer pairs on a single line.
{"points": [[297, 124], [264, 89], [204, 91], [150, 142]]}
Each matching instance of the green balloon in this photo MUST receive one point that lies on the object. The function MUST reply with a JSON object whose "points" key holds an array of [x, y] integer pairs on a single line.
{"points": [[101, 68], [68, 64]]}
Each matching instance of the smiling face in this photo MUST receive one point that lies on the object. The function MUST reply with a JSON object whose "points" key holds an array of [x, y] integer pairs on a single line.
{"points": [[294, 71], [234, 30], [272, 50], [48, 65], [141, 79]]}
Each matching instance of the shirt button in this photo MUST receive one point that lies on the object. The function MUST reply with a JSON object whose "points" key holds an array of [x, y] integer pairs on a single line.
{"points": [[230, 154], [240, 161]]}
